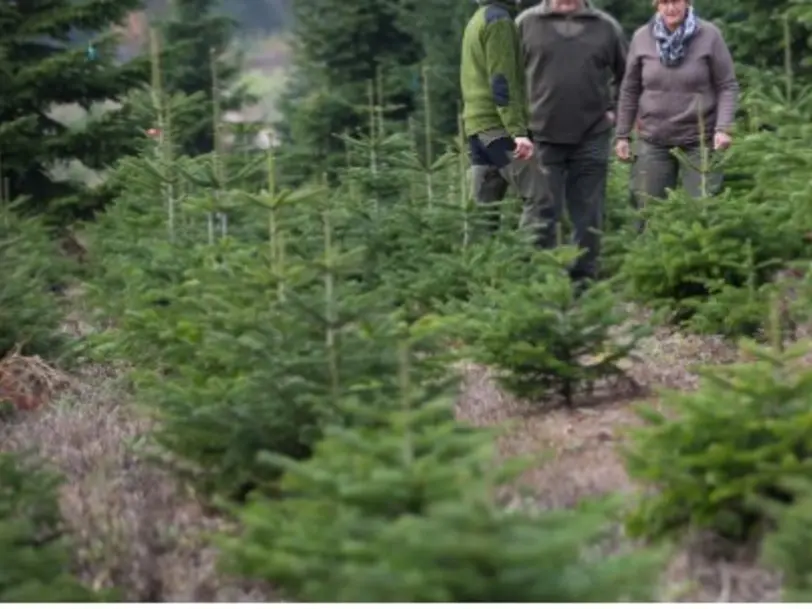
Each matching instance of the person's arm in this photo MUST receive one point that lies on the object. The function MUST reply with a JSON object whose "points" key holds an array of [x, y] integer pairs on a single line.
{"points": [[724, 81], [506, 72], [630, 89]]}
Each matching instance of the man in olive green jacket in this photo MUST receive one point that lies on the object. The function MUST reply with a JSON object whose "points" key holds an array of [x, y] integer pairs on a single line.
{"points": [[495, 108]]}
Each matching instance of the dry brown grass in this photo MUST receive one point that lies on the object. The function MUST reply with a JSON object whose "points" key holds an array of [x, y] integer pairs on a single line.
{"points": [[134, 528], [582, 459], [29, 383]]}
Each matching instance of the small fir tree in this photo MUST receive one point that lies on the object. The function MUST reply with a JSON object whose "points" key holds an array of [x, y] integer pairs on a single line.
{"points": [[726, 447], [30, 266], [788, 547], [543, 338], [705, 261], [405, 512], [34, 556]]}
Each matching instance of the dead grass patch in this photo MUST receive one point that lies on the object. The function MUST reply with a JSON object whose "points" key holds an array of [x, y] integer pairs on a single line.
{"points": [[134, 528], [29, 382]]}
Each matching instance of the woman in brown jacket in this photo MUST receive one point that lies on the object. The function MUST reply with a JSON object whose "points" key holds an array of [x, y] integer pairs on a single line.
{"points": [[680, 87]]}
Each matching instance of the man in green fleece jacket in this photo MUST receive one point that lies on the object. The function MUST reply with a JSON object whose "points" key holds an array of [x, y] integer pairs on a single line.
{"points": [[495, 109], [572, 54]]}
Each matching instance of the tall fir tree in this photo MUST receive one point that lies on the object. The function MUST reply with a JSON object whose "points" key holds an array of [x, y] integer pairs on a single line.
{"points": [[340, 48], [252, 15], [439, 27], [199, 59], [55, 53], [631, 14], [259, 15]]}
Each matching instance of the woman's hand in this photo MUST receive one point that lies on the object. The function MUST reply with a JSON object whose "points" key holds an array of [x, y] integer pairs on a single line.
{"points": [[721, 141]]}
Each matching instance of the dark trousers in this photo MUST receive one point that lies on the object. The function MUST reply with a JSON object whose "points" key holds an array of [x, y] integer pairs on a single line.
{"points": [[573, 180]]}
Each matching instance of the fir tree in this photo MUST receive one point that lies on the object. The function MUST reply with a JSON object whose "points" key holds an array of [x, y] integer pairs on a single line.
{"points": [[259, 15], [34, 555], [439, 27], [42, 67], [30, 313], [720, 454], [406, 512], [789, 546], [630, 13], [341, 47], [196, 41], [543, 338]]}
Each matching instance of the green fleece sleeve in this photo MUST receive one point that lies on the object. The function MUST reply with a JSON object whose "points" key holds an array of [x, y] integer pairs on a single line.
{"points": [[506, 73]]}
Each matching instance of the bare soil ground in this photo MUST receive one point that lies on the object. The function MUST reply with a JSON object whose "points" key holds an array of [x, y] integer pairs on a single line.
{"points": [[581, 457], [137, 530]]}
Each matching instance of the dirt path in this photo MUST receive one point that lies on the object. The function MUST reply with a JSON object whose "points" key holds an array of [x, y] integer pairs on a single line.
{"points": [[582, 458]]}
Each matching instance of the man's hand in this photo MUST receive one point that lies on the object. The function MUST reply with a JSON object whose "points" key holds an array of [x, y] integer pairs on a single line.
{"points": [[623, 149], [524, 148], [610, 116], [721, 141]]}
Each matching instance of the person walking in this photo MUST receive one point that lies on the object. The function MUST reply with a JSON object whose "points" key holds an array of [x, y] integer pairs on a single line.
{"points": [[574, 58], [495, 109], [681, 88]]}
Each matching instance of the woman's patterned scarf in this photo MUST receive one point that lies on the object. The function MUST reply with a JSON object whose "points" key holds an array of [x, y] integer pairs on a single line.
{"points": [[672, 45]]}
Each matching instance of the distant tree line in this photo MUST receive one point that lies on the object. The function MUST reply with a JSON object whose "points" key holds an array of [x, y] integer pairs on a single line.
{"points": [[251, 15], [67, 55]]}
